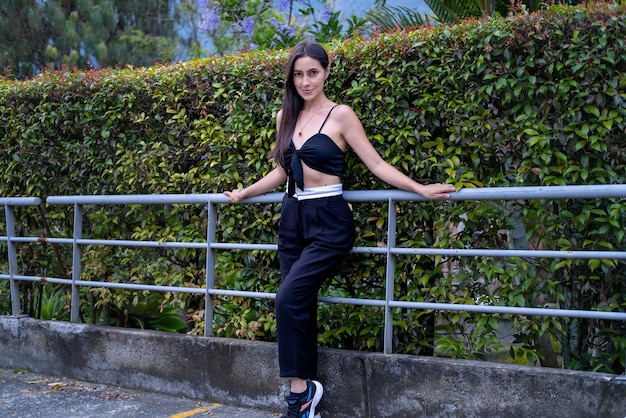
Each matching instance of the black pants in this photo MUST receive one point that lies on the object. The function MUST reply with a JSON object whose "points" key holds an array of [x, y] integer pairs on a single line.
{"points": [[314, 237]]}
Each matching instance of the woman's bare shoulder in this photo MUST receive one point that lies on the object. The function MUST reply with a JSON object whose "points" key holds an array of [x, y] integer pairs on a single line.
{"points": [[279, 116], [342, 109], [344, 112]]}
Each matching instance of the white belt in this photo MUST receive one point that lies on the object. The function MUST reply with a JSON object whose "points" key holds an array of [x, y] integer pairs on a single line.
{"points": [[319, 192]]}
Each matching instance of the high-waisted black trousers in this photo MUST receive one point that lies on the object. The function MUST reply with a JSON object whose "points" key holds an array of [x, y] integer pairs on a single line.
{"points": [[314, 236]]}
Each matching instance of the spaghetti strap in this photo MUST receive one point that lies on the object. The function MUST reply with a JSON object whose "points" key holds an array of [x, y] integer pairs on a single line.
{"points": [[327, 116]]}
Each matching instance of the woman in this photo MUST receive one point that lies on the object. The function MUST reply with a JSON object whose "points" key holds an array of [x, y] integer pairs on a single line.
{"points": [[316, 228]]}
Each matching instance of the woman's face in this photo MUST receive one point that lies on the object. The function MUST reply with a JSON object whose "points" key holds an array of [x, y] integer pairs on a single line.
{"points": [[309, 77]]}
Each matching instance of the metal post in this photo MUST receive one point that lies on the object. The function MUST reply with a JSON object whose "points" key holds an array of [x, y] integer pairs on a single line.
{"points": [[210, 269], [76, 263], [15, 289], [389, 279]]}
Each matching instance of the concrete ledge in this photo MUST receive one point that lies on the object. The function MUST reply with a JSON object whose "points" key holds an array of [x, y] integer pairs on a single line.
{"points": [[357, 384]]}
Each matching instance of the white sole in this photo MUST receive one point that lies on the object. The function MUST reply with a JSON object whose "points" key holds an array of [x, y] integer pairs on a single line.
{"points": [[319, 391]]}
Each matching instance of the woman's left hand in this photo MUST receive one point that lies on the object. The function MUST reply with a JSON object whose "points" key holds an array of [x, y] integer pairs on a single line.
{"points": [[233, 196]]}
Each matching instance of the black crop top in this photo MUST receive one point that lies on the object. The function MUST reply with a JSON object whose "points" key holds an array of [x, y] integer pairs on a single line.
{"points": [[318, 152]]}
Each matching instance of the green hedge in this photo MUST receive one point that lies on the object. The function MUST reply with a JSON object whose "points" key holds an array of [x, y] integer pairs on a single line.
{"points": [[530, 99]]}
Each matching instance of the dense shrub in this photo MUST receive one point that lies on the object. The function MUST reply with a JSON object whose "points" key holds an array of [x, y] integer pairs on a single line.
{"points": [[530, 99]]}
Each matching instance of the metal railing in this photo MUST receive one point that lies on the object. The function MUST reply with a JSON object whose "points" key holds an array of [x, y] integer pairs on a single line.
{"points": [[9, 204], [390, 251]]}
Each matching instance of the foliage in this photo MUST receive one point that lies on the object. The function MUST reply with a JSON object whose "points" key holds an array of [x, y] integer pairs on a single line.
{"points": [[55, 306], [399, 16], [255, 24], [149, 312], [448, 11], [529, 99], [5, 298], [455, 11], [86, 33], [55, 34], [92, 34]]}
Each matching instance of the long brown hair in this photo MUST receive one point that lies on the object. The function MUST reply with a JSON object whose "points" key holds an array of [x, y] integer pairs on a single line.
{"points": [[292, 102]]}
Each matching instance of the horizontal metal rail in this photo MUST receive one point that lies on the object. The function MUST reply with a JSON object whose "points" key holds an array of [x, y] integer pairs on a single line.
{"points": [[385, 196], [465, 252], [20, 201], [488, 193]]}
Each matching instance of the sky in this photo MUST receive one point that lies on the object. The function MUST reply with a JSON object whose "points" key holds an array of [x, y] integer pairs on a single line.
{"points": [[359, 6]]}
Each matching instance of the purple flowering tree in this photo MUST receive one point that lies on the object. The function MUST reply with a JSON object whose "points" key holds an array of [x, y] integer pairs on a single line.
{"points": [[236, 25]]}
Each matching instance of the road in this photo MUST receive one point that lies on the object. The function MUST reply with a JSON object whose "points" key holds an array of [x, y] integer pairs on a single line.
{"points": [[29, 395]]}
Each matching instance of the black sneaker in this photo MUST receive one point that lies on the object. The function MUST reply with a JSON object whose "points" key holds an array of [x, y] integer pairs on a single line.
{"points": [[304, 407]]}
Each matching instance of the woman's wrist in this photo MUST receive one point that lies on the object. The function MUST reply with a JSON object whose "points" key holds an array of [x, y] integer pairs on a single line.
{"points": [[419, 188]]}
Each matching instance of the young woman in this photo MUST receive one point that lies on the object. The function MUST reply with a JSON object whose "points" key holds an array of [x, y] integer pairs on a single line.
{"points": [[316, 228]]}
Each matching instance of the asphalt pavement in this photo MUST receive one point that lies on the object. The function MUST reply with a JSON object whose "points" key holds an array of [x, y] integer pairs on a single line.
{"points": [[29, 395]]}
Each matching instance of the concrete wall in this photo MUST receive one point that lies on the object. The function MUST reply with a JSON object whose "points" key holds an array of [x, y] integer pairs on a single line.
{"points": [[356, 384]]}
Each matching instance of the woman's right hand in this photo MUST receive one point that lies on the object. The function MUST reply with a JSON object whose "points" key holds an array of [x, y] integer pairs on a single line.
{"points": [[268, 182]]}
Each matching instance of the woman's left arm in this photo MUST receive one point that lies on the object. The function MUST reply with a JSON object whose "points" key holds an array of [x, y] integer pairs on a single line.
{"points": [[354, 134]]}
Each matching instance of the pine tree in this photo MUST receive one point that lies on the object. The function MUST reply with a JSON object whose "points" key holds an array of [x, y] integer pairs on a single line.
{"points": [[22, 31], [38, 34]]}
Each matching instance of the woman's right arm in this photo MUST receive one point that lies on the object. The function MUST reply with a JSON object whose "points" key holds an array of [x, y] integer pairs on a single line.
{"points": [[272, 180], [269, 182]]}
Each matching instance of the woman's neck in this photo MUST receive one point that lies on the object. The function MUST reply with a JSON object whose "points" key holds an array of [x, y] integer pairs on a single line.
{"points": [[316, 104]]}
